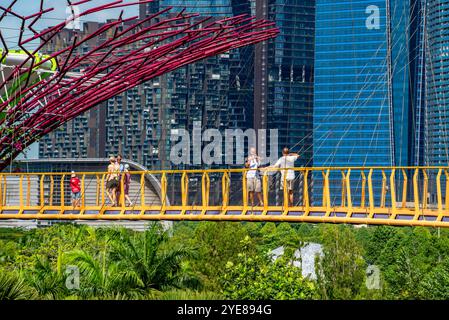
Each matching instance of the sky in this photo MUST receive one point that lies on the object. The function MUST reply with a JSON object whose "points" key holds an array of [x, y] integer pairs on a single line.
{"points": [[10, 25]]}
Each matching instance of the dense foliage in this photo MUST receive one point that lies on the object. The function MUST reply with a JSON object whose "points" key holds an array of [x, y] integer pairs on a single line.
{"points": [[221, 260]]}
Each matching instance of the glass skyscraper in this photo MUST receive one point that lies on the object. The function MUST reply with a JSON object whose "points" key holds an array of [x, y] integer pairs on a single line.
{"points": [[283, 79], [290, 60], [363, 110], [437, 83], [361, 105], [202, 7], [418, 80]]}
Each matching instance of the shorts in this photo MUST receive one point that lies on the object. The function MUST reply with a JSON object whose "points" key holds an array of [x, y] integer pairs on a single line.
{"points": [[289, 184], [112, 184], [76, 195], [254, 185]]}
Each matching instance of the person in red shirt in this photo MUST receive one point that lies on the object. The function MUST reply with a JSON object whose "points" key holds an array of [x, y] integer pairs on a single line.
{"points": [[75, 186]]}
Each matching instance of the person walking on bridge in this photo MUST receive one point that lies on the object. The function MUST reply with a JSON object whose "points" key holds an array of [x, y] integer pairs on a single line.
{"points": [[75, 187], [112, 180], [126, 183]]}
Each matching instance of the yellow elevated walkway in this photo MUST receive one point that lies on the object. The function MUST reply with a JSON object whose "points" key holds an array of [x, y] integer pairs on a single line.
{"points": [[400, 196]]}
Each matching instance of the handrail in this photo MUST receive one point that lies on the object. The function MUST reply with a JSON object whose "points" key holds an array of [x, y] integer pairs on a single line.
{"points": [[240, 170]]}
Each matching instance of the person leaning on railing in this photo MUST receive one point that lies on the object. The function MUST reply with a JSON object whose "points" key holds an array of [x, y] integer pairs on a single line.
{"points": [[285, 162]]}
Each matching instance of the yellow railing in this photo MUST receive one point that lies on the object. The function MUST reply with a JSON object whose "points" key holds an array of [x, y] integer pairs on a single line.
{"points": [[417, 196]]}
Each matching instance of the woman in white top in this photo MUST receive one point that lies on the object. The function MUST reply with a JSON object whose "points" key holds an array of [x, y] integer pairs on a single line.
{"points": [[287, 161], [253, 183]]}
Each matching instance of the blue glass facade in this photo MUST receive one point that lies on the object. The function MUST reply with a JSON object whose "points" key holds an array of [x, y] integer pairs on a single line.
{"points": [[202, 7], [290, 60], [362, 104], [437, 83], [418, 80]]}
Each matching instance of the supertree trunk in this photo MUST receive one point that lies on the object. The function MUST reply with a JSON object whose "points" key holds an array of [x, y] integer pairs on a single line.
{"points": [[39, 93]]}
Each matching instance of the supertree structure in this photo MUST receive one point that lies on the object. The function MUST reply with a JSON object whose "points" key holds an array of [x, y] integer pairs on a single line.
{"points": [[39, 93]]}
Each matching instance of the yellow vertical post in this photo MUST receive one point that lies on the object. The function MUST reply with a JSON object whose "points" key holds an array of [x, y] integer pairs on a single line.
{"points": [[163, 192], [447, 189], [370, 193], [142, 191], [384, 189], [62, 186], [265, 192], [305, 199], [324, 201], [184, 190], [28, 191], [205, 187], [393, 194], [404, 189], [103, 202], [245, 192], [362, 200], [416, 193], [285, 190], [42, 191], [1, 191], [348, 193], [225, 190], [97, 189], [52, 187], [439, 195], [327, 198], [5, 190], [83, 192], [21, 193], [122, 192], [425, 189], [343, 188]]}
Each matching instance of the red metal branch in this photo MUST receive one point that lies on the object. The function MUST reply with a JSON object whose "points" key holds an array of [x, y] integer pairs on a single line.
{"points": [[145, 49]]}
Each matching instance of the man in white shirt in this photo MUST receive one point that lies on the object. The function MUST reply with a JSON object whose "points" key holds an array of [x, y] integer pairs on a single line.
{"points": [[287, 161], [253, 183]]}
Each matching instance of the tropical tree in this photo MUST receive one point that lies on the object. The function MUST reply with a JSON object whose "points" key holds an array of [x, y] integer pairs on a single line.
{"points": [[216, 243], [148, 261], [256, 276], [435, 284], [341, 270], [46, 279], [12, 287]]}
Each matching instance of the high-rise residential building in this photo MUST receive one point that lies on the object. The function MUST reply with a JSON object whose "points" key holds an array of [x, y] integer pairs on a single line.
{"points": [[364, 106], [437, 83], [283, 83], [216, 92], [267, 86], [138, 122], [85, 136]]}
